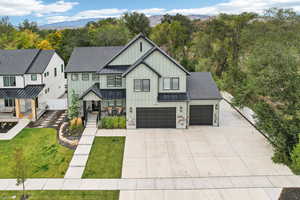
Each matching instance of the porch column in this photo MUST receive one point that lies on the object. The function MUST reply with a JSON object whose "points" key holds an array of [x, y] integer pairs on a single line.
{"points": [[33, 109], [17, 107]]}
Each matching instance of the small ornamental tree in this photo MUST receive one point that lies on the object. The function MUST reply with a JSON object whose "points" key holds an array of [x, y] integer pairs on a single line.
{"points": [[20, 169], [73, 112]]}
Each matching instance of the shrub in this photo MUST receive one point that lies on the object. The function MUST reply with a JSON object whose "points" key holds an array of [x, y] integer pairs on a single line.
{"points": [[295, 156], [113, 122]]}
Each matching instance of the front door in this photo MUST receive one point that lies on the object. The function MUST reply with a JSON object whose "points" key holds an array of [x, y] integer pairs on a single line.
{"points": [[95, 105]]}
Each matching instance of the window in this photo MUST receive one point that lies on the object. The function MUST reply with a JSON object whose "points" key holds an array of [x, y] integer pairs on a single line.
{"points": [[33, 77], [95, 77], [45, 74], [115, 103], [119, 102], [74, 77], [142, 85], [111, 103], [171, 83], [48, 73], [55, 72], [85, 76], [9, 81], [9, 102], [62, 67], [114, 81]]}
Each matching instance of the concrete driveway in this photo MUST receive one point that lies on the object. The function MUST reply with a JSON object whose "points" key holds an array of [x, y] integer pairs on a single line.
{"points": [[233, 149]]}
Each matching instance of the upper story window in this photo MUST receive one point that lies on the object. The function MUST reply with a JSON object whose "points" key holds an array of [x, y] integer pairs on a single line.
{"points": [[85, 76], [55, 72], [9, 81], [62, 67], [114, 81], [141, 85], [141, 46], [171, 83], [95, 77], [33, 77], [74, 77]]}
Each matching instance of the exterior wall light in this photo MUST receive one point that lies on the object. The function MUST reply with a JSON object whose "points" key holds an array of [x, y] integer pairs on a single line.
{"points": [[130, 109], [180, 108]]}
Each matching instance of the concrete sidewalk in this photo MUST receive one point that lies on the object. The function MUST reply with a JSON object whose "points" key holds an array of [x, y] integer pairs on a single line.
{"points": [[238, 182], [22, 123]]}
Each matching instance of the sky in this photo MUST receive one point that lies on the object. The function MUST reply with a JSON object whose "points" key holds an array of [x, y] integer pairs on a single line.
{"points": [[51, 11]]}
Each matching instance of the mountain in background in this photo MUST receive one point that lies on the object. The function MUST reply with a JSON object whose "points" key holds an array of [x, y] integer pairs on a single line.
{"points": [[154, 20]]}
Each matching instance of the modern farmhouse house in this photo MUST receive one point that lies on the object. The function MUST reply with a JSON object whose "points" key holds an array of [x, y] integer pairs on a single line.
{"points": [[28, 79], [144, 83]]}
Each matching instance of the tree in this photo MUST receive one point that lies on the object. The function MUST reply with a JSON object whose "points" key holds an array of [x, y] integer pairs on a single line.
{"points": [[137, 23], [74, 107], [20, 169], [44, 44], [26, 25]]}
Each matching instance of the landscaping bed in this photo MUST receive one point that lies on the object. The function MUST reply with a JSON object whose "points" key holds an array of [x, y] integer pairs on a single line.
{"points": [[290, 194], [62, 195], [6, 126], [113, 122], [44, 156], [106, 158]]}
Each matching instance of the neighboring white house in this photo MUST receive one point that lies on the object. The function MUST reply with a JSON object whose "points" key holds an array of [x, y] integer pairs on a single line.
{"points": [[144, 83], [29, 78]]}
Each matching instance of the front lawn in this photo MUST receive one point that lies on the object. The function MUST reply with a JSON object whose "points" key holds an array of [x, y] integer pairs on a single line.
{"points": [[45, 157], [106, 157], [62, 195]]}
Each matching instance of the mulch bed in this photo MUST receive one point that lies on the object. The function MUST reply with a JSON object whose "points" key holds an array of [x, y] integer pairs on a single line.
{"points": [[6, 126], [290, 194]]}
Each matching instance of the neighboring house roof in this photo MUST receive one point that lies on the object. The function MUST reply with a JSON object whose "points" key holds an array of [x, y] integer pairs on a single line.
{"points": [[41, 62], [114, 69], [167, 97], [22, 61], [29, 92], [201, 86], [105, 93], [88, 59]]}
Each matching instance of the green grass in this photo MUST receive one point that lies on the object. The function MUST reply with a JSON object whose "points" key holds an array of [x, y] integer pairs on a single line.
{"points": [[62, 195], [106, 157], [44, 156]]}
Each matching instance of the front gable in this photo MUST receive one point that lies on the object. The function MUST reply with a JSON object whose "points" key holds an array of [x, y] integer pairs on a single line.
{"points": [[91, 96], [132, 52]]}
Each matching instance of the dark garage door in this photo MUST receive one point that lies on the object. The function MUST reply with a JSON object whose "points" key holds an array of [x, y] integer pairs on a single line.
{"points": [[156, 117], [201, 114]]}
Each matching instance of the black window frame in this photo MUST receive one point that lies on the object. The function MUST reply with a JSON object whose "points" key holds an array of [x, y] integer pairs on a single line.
{"points": [[171, 83], [55, 72], [83, 78], [11, 81], [116, 81], [62, 68], [33, 75], [73, 77], [142, 84], [9, 102], [141, 46], [95, 77]]}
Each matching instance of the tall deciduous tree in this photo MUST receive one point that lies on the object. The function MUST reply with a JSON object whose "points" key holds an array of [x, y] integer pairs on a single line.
{"points": [[137, 23]]}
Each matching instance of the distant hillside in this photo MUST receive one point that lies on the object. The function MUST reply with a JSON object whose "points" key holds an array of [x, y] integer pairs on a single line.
{"points": [[154, 20]]}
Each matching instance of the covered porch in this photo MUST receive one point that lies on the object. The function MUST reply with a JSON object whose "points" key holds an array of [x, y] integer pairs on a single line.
{"points": [[20, 103], [103, 102]]}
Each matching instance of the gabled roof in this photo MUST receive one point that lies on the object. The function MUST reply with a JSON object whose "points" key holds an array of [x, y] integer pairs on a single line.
{"points": [[201, 86], [105, 93], [88, 59], [29, 92], [147, 54], [126, 47], [141, 61], [22, 61]]}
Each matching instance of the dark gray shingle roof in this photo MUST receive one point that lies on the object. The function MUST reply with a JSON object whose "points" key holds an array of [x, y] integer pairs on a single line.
{"points": [[29, 92], [90, 59], [41, 62], [113, 69], [105, 93], [169, 97], [21, 61], [201, 86]]}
